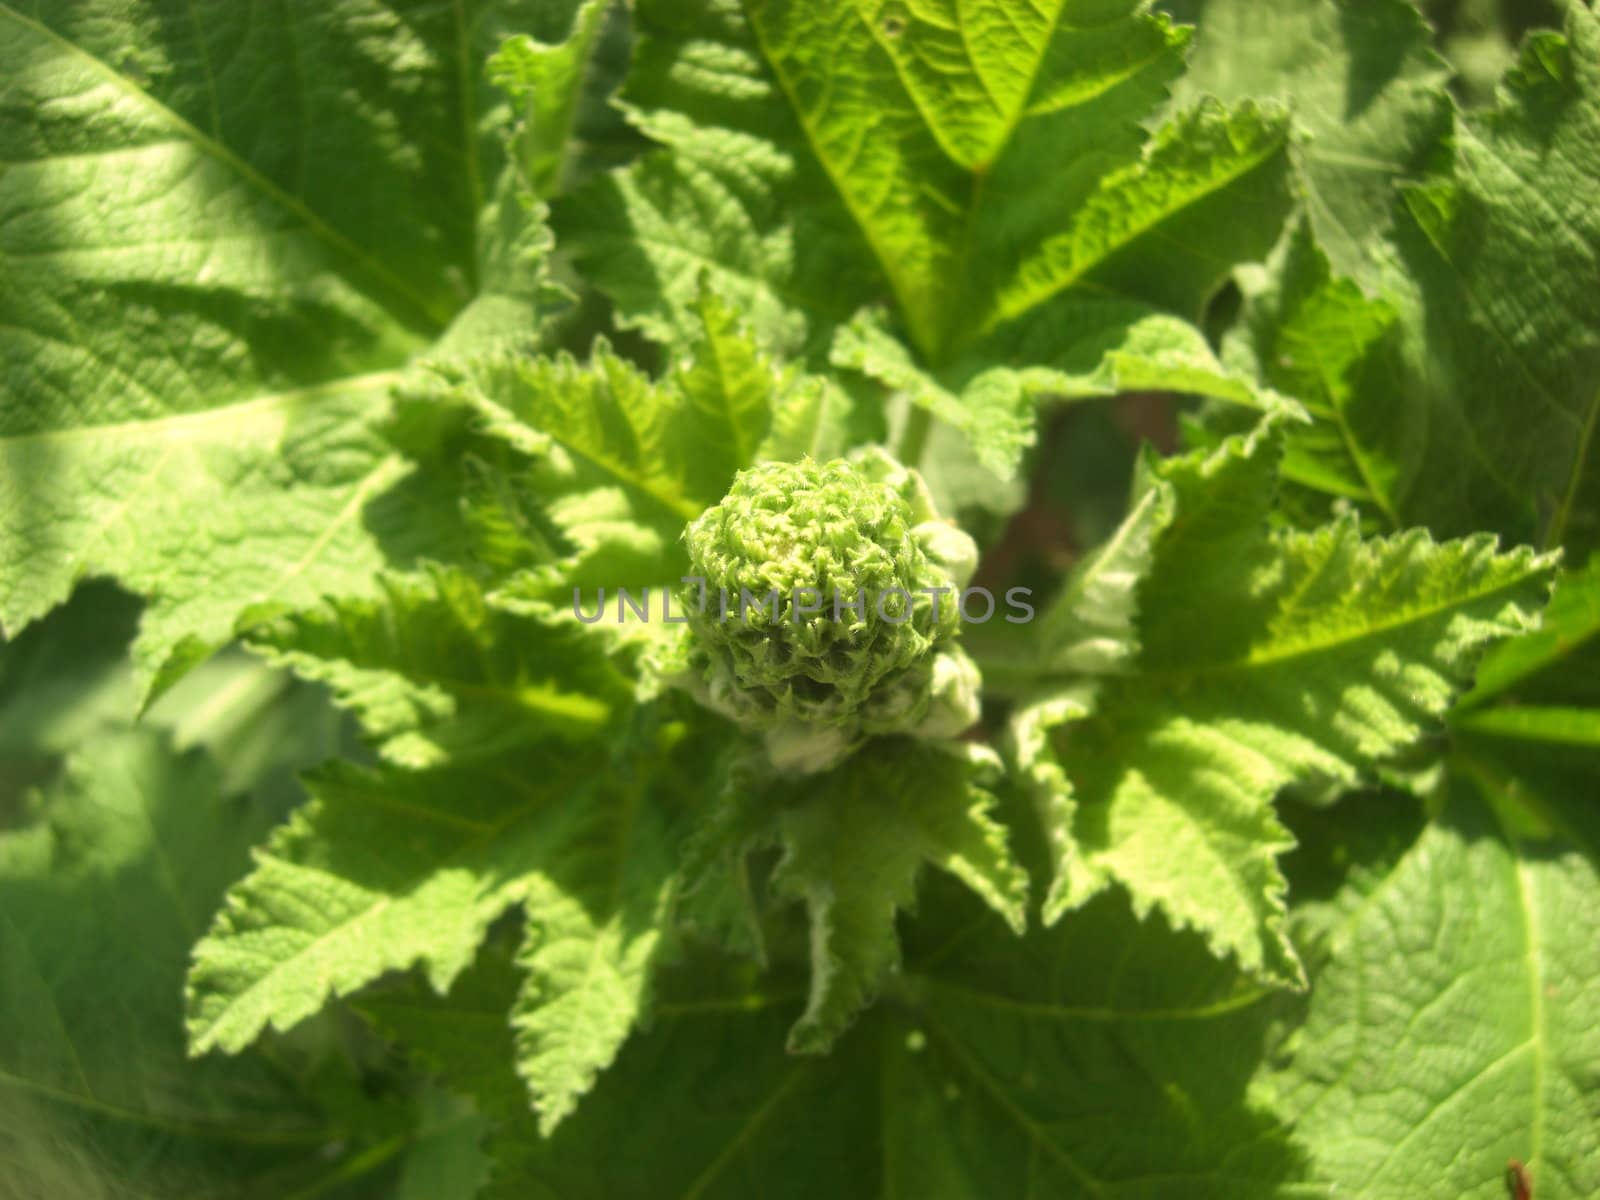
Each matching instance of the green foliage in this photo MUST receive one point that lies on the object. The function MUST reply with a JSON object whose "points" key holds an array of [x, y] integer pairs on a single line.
{"points": [[203, 315], [1100, 1059], [424, 669], [764, 155], [121, 862], [389, 870], [854, 862], [1508, 1045], [775, 568], [355, 842], [1264, 660], [1363, 83], [1476, 410]]}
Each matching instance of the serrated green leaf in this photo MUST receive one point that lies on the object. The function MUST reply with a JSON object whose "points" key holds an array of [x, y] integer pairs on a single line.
{"points": [[570, 476], [1501, 247], [528, 516], [737, 1093], [202, 314], [1531, 726], [962, 485], [381, 871], [1157, 230], [1105, 1058], [717, 904], [1091, 628], [1108, 1058], [729, 385], [762, 113], [546, 84], [1563, 644], [987, 403], [1185, 823], [1268, 659], [137, 495], [737, 198], [1552, 663], [517, 298], [1073, 350], [1487, 406], [676, 444], [607, 415], [915, 188], [1443, 1038], [589, 954], [854, 841], [1319, 339], [386, 870], [609, 548], [968, 72], [811, 418], [464, 1035], [1362, 81], [111, 882], [437, 674], [1039, 769]]}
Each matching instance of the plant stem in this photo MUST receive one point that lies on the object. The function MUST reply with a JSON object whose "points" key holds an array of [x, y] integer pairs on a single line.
{"points": [[914, 435], [1557, 533]]}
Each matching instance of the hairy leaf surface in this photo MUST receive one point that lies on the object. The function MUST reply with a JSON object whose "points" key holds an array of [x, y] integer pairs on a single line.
{"points": [[1267, 659], [1316, 336], [437, 674], [1451, 1027], [202, 314], [1481, 414], [1362, 80], [101, 894], [854, 855], [975, 214], [386, 870], [1001, 1070]]}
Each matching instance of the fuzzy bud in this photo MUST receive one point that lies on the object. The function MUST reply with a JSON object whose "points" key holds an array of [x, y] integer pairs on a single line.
{"points": [[841, 614]]}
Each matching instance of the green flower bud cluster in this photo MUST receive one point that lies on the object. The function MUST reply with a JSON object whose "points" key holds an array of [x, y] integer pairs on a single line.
{"points": [[828, 610]]}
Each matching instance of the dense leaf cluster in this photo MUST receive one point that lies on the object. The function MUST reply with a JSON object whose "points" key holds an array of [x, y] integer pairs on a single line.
{"points": [[346, 344]]}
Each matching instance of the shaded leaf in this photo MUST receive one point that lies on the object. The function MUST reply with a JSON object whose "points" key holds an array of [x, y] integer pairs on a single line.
{"points": [[112, 881], [386, 870], [1362, 80], [203, 315], [1433, 1015]]}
